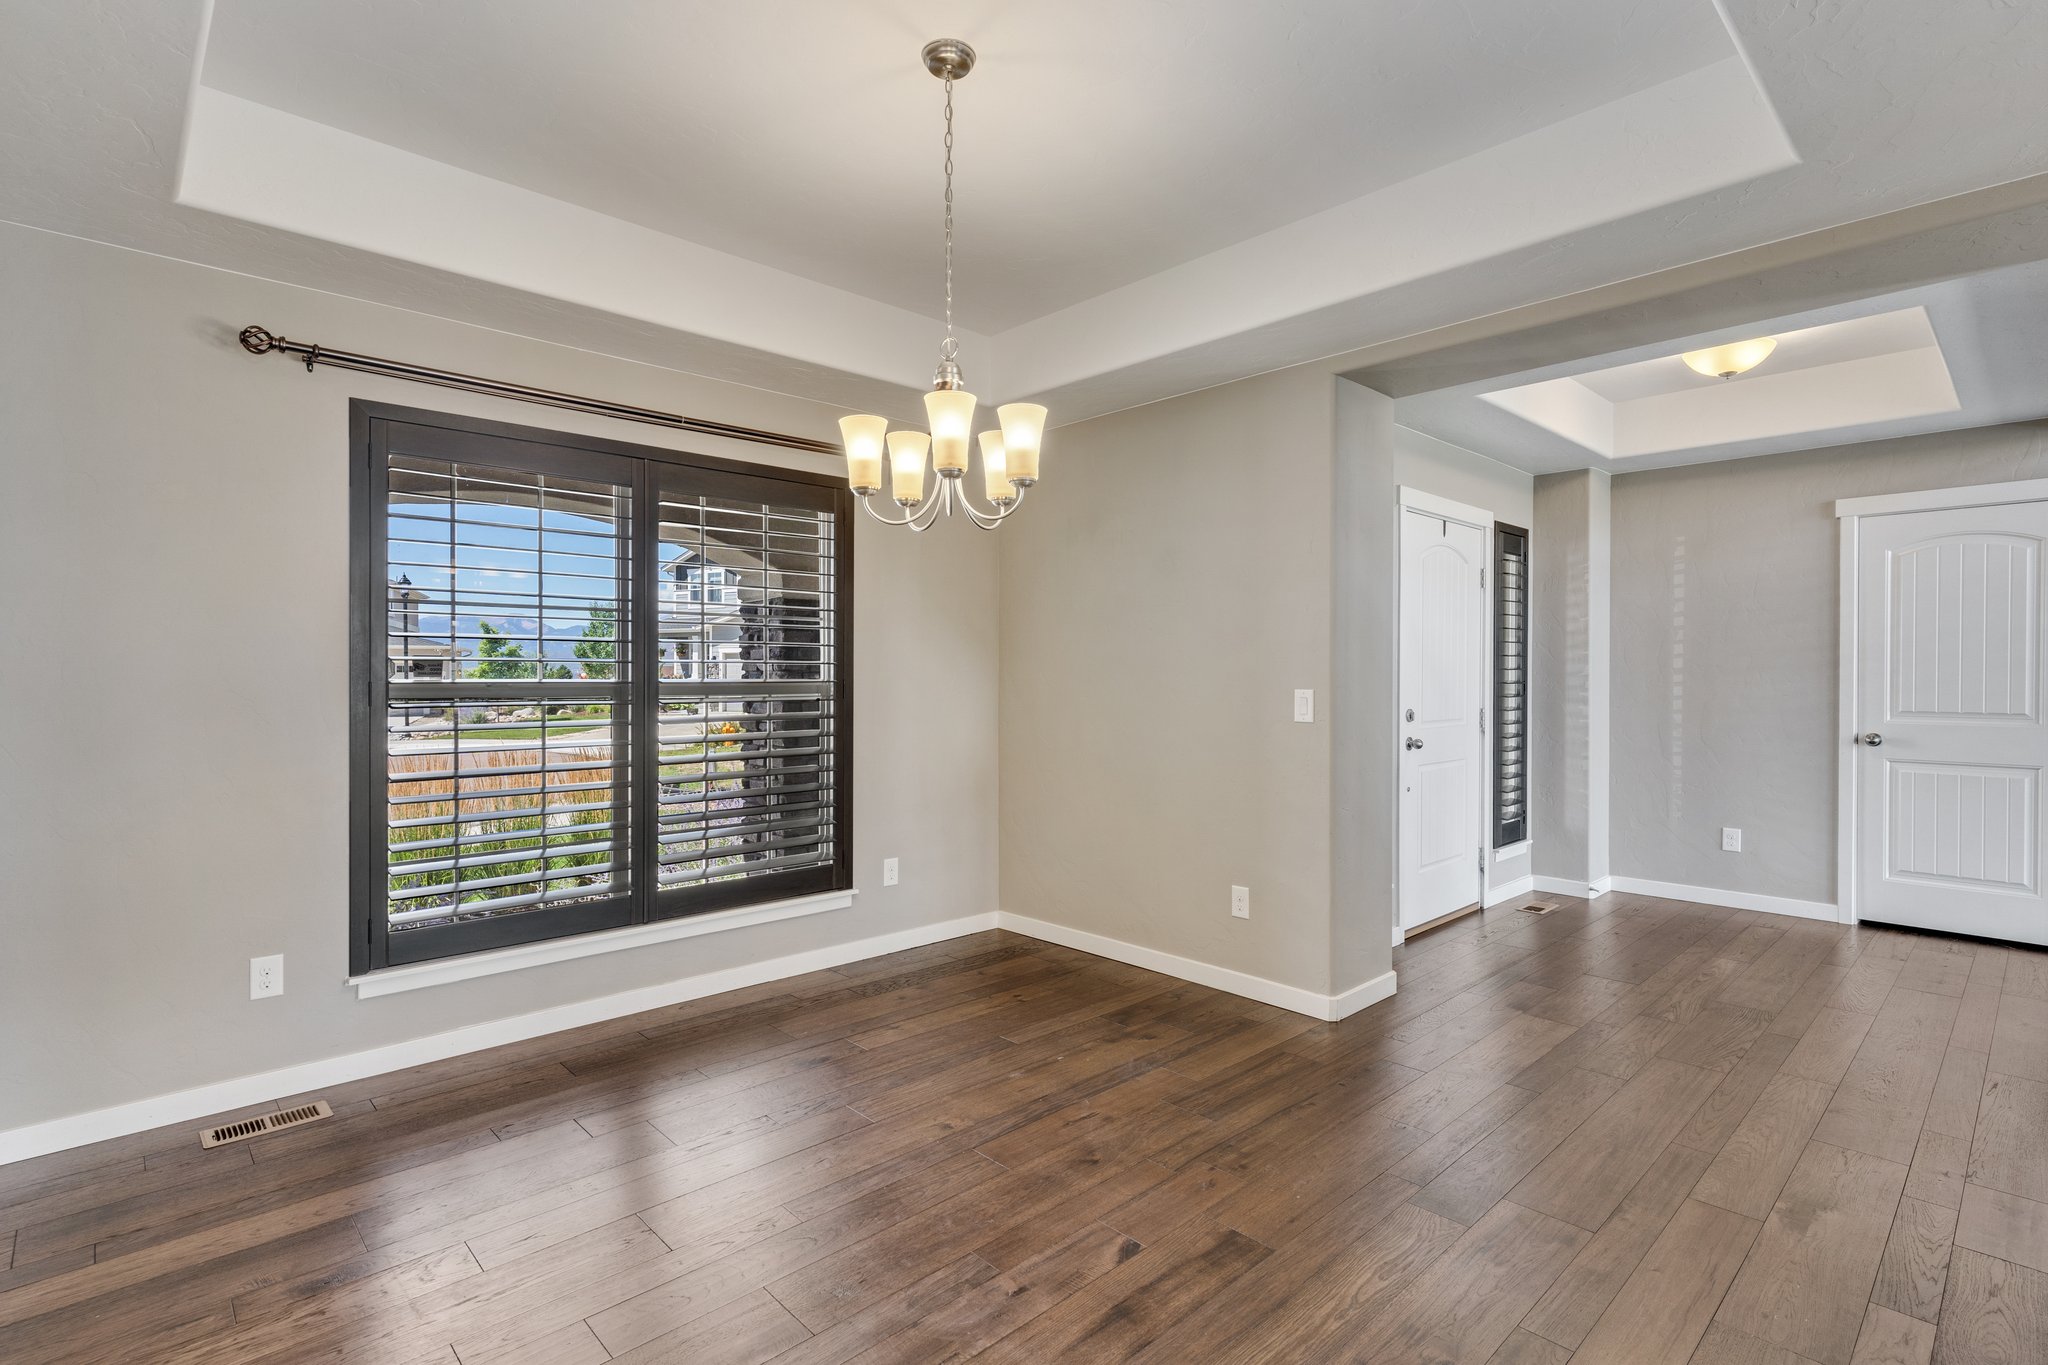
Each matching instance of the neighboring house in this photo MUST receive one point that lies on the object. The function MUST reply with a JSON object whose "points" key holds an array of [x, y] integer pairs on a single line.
{"points": [[700, 620]]}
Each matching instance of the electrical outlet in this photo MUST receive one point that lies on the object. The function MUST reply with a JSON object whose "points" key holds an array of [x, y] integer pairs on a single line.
{"points": [[1241, 902], [890, 875], [1305, 704], [1731, 840], [266, 976]]}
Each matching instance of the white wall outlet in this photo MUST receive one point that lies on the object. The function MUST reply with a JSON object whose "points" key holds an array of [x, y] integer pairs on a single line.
{"points": [[1731, 840], [1241, 902], [890, 876], [1305, 704], [266, 976]]}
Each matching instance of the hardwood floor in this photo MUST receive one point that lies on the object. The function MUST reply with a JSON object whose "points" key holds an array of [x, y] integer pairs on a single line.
{"points": [[1630, 1131]]}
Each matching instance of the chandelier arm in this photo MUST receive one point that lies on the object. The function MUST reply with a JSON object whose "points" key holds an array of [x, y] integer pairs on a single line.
{"points": [[928, 511], [988, 521]]}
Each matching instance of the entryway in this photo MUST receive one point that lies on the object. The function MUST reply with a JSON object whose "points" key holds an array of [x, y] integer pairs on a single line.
{"points": [[1442, 710]]}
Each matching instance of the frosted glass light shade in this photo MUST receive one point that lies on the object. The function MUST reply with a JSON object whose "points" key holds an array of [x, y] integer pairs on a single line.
{"points": [[1023, 430], [907, 451], [862, 437], [1725, 362], [951, 413], [995, 472]]}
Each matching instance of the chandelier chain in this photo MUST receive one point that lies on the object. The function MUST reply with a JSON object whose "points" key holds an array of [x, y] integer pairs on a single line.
{"points": [[950, 348]]}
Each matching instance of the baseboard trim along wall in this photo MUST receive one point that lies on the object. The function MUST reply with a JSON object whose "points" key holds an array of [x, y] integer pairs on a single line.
{"points": [[1565, 886], [1315, 1006], [77, 1130], [1733, 900], [140, 1116]]}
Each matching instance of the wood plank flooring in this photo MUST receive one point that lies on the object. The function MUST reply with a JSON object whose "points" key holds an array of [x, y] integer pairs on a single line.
{"points": [[1627, 1132]]}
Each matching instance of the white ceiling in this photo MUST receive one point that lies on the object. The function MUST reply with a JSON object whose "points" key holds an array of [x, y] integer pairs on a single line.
{"points": [[1966, 352], [1096, 144], [1271, 184]]}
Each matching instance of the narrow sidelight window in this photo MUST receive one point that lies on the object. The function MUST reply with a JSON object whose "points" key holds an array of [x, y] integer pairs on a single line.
{"points": [[595, 685], [1510, 685]]}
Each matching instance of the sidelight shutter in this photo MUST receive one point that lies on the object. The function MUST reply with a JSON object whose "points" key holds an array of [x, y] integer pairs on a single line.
{"points": [[1511, 685]]}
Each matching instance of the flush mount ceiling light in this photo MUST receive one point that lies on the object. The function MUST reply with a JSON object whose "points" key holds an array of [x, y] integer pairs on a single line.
{"points": [[1009, 457], [1725, 362]]}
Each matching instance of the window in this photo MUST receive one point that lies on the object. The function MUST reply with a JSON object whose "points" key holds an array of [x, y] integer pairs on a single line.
{"points": [[1511, 685], [595, 685]]}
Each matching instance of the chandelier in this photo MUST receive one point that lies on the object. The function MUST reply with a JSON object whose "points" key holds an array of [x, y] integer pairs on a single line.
{"points": [[1009, 456]]}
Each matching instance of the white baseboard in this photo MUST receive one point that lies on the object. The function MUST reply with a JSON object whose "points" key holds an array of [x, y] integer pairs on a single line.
{"points": [[77, 1130], [1507, 891], [1734, 900], [1314, 1005], [56, 1135], [1347, 1003], [1564, 886]]}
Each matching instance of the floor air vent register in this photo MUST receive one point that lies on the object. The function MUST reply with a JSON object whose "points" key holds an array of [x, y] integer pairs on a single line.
{"points": [[241, 1130]]}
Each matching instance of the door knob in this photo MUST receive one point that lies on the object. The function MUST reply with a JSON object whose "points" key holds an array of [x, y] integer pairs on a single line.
{"points": [[1873, 739], [1414, 743]]}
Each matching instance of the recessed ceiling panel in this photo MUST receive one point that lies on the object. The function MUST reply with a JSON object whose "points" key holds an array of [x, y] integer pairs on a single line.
{"points": [[1097, 144], [1883, 367]]}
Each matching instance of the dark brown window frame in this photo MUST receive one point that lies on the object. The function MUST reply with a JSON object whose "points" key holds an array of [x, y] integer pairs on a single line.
{"points": [[371, 428]]}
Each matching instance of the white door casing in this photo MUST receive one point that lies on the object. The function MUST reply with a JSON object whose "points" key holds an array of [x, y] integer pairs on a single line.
{"points": [[1950, 655], [1442, 697]]}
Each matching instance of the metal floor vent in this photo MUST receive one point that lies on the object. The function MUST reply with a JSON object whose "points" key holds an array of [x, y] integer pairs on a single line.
{"points": [[241, 1130], [1539, 908]]}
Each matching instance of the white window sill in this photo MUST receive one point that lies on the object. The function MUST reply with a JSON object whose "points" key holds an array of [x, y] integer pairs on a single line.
{"points": [[392, 980]]}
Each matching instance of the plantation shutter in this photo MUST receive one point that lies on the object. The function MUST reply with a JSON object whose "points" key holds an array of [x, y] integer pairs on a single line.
{"points": [[1511, 686], [598, 685], [748, 691], [507, 707]]}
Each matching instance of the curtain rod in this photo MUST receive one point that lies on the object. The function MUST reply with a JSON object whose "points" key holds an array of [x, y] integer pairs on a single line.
{"points": [[259, 341]]}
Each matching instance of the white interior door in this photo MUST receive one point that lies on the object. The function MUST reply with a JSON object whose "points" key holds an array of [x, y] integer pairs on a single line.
{"points": [[1443, 661], [1949, 733]]}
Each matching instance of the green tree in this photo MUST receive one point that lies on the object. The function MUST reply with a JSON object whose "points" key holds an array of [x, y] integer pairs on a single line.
{"points": [[599, 647], [499, 657]]}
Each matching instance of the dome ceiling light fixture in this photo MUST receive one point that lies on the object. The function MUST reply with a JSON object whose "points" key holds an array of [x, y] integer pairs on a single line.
{"points": [[1009, 457], [1737, 357]]}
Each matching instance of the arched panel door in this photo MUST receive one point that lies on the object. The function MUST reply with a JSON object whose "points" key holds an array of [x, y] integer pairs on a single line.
{"points": [[1949, 734]]}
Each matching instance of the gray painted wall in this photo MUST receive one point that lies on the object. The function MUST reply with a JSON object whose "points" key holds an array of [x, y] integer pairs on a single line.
{"points": [[1569, 556], [1726, 613], [173, 715], [1169, 590], [1187, 565], [1365, 685], [1422, 461]]}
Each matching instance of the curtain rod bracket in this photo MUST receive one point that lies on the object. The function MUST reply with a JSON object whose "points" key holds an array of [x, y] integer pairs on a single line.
{"points": [[257, 340]]}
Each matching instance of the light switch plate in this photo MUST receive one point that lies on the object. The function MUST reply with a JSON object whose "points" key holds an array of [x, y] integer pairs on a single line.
{"points": [[1305, 704]]}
